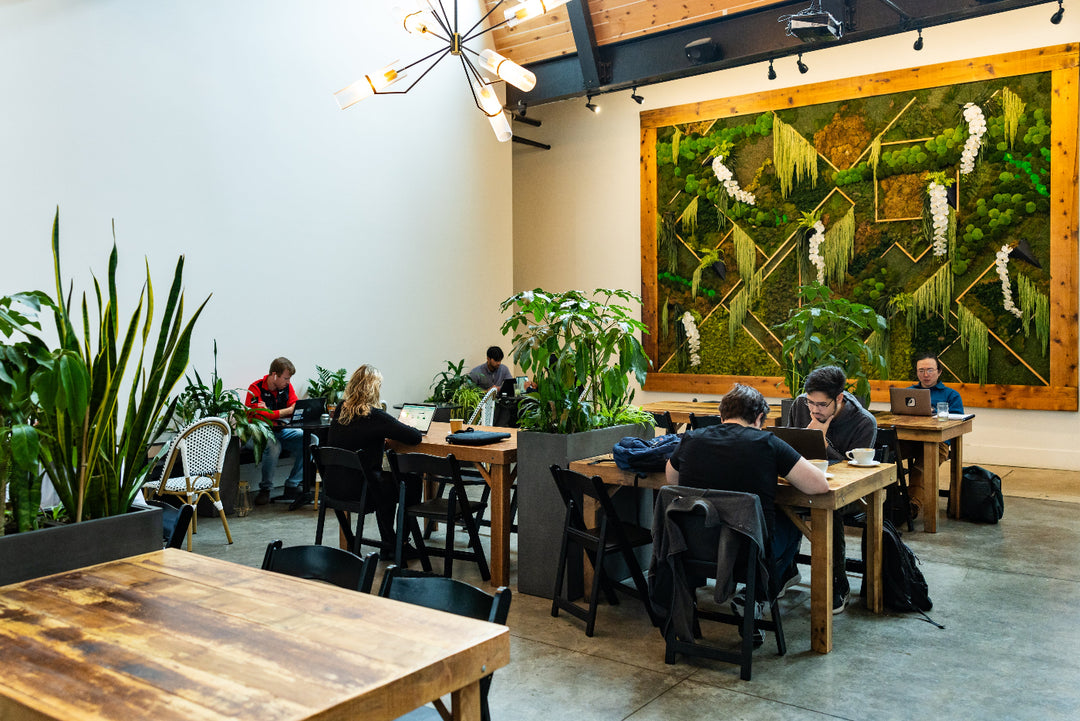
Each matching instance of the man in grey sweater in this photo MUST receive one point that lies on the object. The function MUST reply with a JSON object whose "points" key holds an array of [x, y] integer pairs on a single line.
{"points": [[846, 424]]}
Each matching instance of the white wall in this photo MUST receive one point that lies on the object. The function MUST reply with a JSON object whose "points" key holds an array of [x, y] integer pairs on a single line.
{"points": [[577, 206], [209, 128]]}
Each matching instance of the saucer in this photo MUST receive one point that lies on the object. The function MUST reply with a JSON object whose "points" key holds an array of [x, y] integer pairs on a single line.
{"points": [[871, 464], [828, 476]]}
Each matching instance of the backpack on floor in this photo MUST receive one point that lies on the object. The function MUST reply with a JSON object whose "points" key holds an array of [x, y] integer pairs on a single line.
{"points": [[980, 496], [903, 585]]}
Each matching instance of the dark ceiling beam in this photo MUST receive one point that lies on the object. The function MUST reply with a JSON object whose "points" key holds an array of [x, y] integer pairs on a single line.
{"points": [[588, 54], [743, 39]]}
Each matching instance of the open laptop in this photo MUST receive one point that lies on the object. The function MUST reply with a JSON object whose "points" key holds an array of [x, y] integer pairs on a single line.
{"points": [[307, 410], [417, 415], [808, 442], [910, 401], [508, 387]]}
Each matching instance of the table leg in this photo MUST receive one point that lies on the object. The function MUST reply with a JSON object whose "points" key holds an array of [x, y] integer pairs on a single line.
{"points": [[821, 579], [500, 479], [872, 577], [957, 474], [465, 703], [930, 485]]}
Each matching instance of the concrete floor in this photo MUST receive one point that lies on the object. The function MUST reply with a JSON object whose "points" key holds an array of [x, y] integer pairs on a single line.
{"points": [[1005, 594]]}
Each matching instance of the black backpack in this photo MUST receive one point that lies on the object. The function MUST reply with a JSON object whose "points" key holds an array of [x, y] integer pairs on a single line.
{"points": [[645, 454], [903, 584], [980, 496]]}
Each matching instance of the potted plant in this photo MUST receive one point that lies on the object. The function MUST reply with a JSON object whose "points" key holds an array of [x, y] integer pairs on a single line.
{"points": [[199, 400], [454, 389], [824, 330], [581, 351], [329, 385], [95, 457]]}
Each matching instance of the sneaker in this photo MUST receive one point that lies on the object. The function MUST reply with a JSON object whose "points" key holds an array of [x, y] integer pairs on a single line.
{"points": [[840, 601], [790, 578], [262, 498], [738, 604]]}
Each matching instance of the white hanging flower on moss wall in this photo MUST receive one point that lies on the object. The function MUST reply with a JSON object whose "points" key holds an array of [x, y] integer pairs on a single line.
{"points": [[973, 114], [727, 178], [1001, 260], [939, 212], [693, 338], [815, 251]]}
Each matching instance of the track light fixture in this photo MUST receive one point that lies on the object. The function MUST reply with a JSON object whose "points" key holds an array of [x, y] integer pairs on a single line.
{"points": [[803, 68], [772, 71], [1059, 13], [590, 105], [635, 97], [918, 41]]}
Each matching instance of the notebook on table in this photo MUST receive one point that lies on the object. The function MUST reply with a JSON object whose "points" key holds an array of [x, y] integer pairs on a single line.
{"points": [[307, 410], [417, 415], [910, 401], [808, 442]]}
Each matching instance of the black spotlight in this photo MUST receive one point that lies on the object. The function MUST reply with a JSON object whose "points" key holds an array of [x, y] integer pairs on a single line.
{"points": [[589, 104], [918, 41], [635, 97], [803, 68], [1056, 17], [772, 72]]}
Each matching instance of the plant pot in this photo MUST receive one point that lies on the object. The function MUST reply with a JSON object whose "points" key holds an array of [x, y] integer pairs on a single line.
{"points": [[541, 511], [33, 554]]}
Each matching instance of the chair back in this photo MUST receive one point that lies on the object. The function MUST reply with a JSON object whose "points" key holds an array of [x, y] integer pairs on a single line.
{"points": [[342, 471], [485, 409], [445, 594], [200, 448], [174, 522], [323, 563], [697, 421], [573, 486], [885, 445], [422, 464], [663, 420]]}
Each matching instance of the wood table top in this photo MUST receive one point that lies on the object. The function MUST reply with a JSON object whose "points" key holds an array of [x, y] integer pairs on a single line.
{"points": [[929, 428], [680, 410], [435, 443], [172, 635], [847, 484]]}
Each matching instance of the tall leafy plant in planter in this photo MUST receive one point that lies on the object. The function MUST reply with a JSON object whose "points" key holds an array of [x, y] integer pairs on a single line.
{"points": [[453, 387], [581, 352], [824, 330], [97, 459]]}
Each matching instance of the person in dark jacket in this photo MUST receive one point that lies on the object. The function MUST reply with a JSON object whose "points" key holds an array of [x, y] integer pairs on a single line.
{"points": [[360, 424]]}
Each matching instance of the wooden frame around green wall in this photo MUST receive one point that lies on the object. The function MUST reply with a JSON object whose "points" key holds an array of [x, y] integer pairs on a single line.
{"points": [[876, 140]]}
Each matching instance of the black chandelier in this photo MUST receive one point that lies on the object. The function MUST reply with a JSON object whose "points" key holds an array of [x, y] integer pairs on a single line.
{"points": [[432, 21]]}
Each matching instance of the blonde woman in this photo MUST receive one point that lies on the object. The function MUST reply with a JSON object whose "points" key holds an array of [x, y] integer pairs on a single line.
{"points": [[360, 424]]}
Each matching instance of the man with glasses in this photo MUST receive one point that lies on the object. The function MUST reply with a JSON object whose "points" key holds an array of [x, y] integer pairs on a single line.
{"points": [[928, 371], [825, 405]]}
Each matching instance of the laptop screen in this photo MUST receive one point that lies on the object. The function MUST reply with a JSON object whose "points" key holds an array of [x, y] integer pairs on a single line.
{"points": [[307, 411], [808, 442], [417, 415]]}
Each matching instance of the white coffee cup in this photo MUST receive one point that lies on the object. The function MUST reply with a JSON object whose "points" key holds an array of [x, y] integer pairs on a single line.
{"points": [[822, 465], [861, 456]]}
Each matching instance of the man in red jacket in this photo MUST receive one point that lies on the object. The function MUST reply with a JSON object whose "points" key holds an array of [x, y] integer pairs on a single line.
{"points": [[273, 398]]}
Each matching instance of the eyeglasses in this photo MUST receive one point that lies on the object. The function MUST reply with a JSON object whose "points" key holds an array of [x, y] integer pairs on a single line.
{"points": [[821, 406], [926, 370]]}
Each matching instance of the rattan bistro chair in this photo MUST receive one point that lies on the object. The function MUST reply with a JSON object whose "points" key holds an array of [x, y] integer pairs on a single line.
{"points": [[200, 449]]}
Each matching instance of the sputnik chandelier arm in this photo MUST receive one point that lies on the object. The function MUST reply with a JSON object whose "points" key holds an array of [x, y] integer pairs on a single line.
{"points": [[431, 20]]}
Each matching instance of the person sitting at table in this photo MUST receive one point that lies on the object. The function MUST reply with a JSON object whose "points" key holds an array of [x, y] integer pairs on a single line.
{"points": [[928, 372], [846, 424], [491, 373], [360, 424], [737, 455], [273, 398]]}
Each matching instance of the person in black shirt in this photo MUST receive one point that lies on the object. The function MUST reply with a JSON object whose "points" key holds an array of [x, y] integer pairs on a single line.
{"points": [[737, 455], [360, 424]]}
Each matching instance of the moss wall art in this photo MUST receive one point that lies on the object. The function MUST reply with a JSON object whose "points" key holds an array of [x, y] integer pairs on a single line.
{"points": [[944, 197]]}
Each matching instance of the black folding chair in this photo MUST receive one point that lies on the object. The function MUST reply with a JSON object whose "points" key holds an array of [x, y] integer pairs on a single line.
{"points": [[697, 421], [323, 563]]}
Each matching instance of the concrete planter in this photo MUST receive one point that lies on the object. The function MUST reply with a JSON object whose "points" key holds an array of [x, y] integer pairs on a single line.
{"points": [[63, 548], [541, 511]]}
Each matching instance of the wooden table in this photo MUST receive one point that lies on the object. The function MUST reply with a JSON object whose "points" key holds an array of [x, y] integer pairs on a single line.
{"points": [[930, 431], [681, 410], [848, 485], [497, 464], [170, 635]]}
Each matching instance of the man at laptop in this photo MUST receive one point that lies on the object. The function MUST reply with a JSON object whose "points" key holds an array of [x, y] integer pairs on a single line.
{"points": [[491, 373], [273, 398], [825, 405], [928, 371], [737, 455]]}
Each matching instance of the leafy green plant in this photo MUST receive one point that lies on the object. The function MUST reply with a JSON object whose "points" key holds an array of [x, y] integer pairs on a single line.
{"points": [[832, 331], [199, 400], [581, 353], [454, 387], [96, 458], [327, 384]]}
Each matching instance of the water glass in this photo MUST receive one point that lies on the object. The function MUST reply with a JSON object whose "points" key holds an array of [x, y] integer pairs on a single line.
{"points": [[942, 410]]}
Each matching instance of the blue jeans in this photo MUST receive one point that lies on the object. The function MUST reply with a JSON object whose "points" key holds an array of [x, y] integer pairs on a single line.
{"points": [[284, 438]]}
